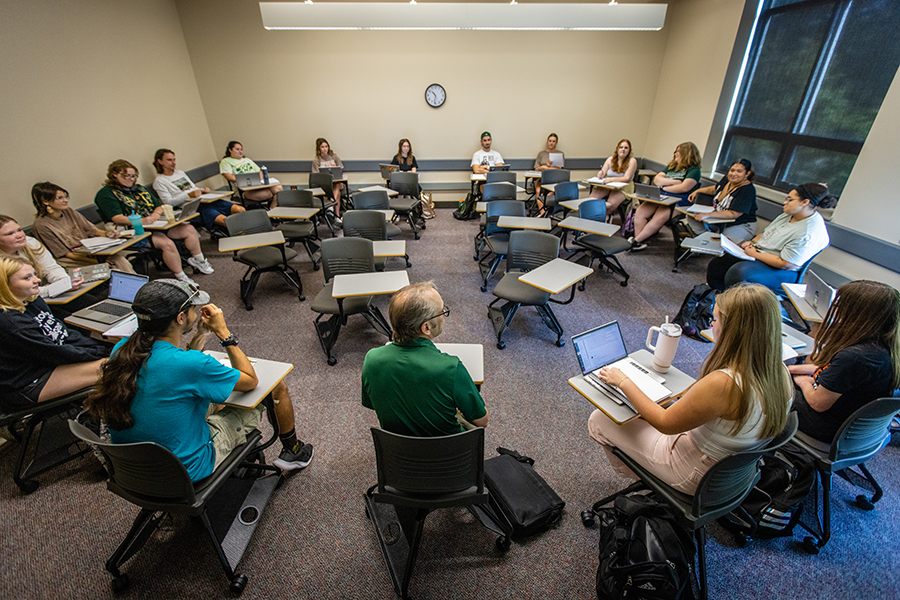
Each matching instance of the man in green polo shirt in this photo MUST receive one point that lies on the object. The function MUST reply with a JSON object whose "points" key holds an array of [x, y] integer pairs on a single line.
{"points": [[414, 388]]}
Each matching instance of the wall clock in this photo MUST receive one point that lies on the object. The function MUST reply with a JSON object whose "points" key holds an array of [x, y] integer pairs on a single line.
{"points": [[435, 95]]}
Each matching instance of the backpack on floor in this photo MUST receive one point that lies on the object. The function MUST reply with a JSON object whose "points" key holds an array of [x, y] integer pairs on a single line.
{"points": [[628, 224], [645, 553], [775, 503], [519, 497], [696, 311], [466, 209]]}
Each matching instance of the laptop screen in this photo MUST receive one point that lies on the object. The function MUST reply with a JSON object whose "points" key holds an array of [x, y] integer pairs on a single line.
{"points": [[599, 347], [123, 286]]}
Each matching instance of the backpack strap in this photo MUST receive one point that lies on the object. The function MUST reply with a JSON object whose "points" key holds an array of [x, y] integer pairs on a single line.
{"points": [[519, 457]]}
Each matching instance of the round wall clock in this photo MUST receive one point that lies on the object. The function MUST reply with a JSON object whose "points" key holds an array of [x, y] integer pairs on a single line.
{"points": [[435, 95]]}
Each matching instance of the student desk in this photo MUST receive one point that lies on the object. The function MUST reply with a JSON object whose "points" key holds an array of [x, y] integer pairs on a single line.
{"points": [[481, 206], [614, 186], [67, 297], [252, 240], [785, 331], [550, 187], [475, 179], [556, 275], [573, 204], [714, 221], [796, 293], [589, 226], [662, 201], [292, 212], [541, 223], [676, 380], [379, 188], [648, 173], [472, 357], [387, 248], [214, 196], [272, 183], [532, 175], [166, 225], [110, 250]]}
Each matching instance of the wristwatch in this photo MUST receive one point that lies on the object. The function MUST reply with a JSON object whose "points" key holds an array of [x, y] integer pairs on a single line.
{"points": [[231, 340]]}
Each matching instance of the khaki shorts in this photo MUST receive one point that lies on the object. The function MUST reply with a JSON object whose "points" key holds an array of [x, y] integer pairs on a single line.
{"points": [[229, 428]]}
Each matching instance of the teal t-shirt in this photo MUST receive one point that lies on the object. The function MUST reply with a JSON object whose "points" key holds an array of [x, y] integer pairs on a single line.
{"points": [[174, 389]]}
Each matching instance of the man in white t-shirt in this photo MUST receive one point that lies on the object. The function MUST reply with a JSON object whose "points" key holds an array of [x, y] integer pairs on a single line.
{"points": [[484, 159]]}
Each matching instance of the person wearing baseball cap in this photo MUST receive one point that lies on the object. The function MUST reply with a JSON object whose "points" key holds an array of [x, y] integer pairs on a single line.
{"points": [[153, 390], [484, 159]]}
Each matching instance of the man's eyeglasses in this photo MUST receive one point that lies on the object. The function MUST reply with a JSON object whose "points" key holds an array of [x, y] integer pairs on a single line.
{"points": [[195, 291], [443, 313]]}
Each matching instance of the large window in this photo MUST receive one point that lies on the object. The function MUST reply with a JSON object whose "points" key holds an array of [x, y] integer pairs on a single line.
{"points": [[816, 75]]}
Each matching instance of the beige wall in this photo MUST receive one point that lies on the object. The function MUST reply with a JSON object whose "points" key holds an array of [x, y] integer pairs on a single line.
{"points": [[84, 83]]}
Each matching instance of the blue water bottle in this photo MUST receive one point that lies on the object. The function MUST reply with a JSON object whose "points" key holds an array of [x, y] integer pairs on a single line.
{"points": [[265, 175], [136, 223]]}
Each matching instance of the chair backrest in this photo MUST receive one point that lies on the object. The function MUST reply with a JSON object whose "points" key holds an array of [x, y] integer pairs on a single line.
{"points": [[90, 212], [251, 221], [345, 255], [801, 272], [405, 183], [143, 472], [530, 249], [296, 198], [324, 181], [732, 477], [865, 431], [500, 190], [369, 224], [429, 465], [566, 190], [501, 176], [595, 210], [554, 176], [371, 200], [500, 208]]}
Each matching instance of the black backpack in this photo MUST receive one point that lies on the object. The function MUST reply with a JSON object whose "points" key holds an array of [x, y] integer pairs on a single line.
{"points": [[696, 311], [645, 553], [466, 210], [775, 503]]}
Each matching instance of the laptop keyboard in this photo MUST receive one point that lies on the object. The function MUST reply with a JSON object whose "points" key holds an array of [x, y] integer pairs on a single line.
{"points": [[113, 309]]}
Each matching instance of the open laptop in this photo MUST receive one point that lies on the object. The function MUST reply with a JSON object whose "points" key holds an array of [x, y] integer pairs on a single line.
{"points": [[819, 295], [189, 209], [647, 192], [122, 289], [604, 346], [335, 172], [499, 168], [386, 170], [246, 180]]}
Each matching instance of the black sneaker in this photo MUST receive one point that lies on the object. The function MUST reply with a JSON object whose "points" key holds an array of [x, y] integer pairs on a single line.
{"points": [[296, 458], [638, 246]]}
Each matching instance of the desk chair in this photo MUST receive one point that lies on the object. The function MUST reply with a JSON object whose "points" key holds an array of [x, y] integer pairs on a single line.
{"points": [[376, 200], [300, 230], [408, 202], [326, 182], [861, 437], [721, 490], [551, 176], [341, 256], [369, 224], [52, 445], [681, 230], [497, 238], [151, 477], [416, 476], [527, 250], [263, 259], [564, 190], [138, 257], [500, 176], [500, 190], [600, 247], [782, 295]]}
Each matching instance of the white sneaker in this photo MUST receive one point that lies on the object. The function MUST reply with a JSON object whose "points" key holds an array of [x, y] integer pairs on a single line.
{"points": [[202, 265], [182, 277]]}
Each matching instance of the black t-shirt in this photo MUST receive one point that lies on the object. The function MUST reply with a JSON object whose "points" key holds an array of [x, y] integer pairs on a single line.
{"points": [[742, 200], [861, 374], [403, 165]]}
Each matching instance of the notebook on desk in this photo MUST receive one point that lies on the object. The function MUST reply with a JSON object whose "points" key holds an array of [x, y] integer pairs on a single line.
{"points": [[335, 172], [819, 295], [122, 289], [604, 346]]}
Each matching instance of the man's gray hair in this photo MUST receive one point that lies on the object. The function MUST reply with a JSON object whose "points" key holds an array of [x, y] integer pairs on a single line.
{"points": [[410, 308]]}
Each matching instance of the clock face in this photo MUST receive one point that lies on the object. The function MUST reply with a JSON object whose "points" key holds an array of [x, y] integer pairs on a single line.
{"points": [[435, 95]]}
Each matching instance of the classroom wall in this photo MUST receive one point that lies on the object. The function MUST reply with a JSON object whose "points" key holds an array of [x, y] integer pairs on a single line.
{"points": [[85, 83]]}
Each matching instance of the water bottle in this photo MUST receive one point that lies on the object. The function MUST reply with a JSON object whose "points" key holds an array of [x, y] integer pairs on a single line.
{"points": [[265, 175], [136, 223]]}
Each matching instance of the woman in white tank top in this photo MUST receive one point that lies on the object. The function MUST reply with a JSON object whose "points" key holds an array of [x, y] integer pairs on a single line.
{"points": [[618, 168], [729, 409]]}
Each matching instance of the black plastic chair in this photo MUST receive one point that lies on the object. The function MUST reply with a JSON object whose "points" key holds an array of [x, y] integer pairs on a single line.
{"points": [[408, 202], [416, 476], [861, 437], [495, 237], [52, 445], [300, 230], [500, 176], [602, 248], [326, 182], [721, 490], [369, 224], [151, 477], [551, 176], [376, 200], [262, 259]]}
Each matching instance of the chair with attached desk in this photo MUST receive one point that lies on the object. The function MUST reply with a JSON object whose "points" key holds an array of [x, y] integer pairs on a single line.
{"points": [[500, 177], [325, 182], [682, 231], [721, 490], [153, 478], [260, 259], [369, 224], [527, 250], [551, 176], [417, 475], [495, 237], [300, 230], [342, 256], [376, 200], [407, 203], [861, 437], [601, 247], [783, 297], [500, 190], [139, 257], [564, 190]]}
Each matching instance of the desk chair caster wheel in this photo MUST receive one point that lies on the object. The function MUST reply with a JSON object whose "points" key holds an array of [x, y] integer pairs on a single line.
{"points": [[864, 503], [315, 266], [120, 583], [302, 298], [238, 584], [624, 283], [484, 288], [417, 236], [29, 486], [810, 546], [588, 518], [408, 264], [332, 361], [503, 543], [581, 287], [560, 343]]}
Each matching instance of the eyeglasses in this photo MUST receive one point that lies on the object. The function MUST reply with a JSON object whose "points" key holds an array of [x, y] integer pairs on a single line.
{"points": [[444, 313], [129, 176], [195, 289]]}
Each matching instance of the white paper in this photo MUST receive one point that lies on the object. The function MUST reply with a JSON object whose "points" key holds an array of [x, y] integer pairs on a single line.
{"points": [[787, 352], [98, 243], [734, 250], [699, 209], [123, 329], [210, 196], [59, 287], [613, 184], [160, 223]]}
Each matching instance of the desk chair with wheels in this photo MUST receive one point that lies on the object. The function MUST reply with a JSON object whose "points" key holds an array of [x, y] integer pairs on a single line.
{"points": [[416, 476], [341, 256], [376, 200], [326, 182], [803, 326], [300, 230], [861, 437], [497, 238], [369, 224], [500, 190], [682, 231], [564, 190], [527, 250], [262, 259], [408, 202], [721, 490], [151, 477], [551, 176], [52, 444], [600, 247]]}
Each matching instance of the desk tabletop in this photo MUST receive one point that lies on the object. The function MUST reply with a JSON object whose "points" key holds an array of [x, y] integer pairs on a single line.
{"points": [[663, 200], [169, 224], [253, 240], [388, 213], [787, 350], [589, 226], [594, 182], [676, 380], [542, 223], [214, 196], [556, 275], [481, 207], [110, 250], [269, 372], [471, 355], [478, 177], [532, 174], [713, 221], [67, 297], [368, 284], [573, 204], [647, 173], [382, 248], [292, 212], [317, 191], [271, 184], [379, 188], [796, 293], [552, 186]]}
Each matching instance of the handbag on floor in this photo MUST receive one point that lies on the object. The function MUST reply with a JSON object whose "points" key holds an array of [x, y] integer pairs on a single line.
{"points": [[427, 206]]}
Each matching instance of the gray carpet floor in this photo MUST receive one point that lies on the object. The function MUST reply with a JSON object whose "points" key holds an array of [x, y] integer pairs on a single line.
{"points": [[314, 540]]}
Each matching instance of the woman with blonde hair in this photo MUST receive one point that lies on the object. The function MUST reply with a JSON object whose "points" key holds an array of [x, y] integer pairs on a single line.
{"points": [[15, 244], [739, 403], [618, 168], [40, 359], [856, 358]]}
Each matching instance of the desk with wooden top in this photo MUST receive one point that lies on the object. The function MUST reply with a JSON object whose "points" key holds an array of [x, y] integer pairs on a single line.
{"points": [[214, 196], [110, 250], [292, 212], [539, 223], [169, 224], [379, 188], [471, 356]]}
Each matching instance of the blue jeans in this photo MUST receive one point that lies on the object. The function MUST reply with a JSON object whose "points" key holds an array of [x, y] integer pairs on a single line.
{"points": [[726, 270]]}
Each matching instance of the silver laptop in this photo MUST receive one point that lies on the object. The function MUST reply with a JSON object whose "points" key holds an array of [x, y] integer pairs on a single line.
{"points": [[122, 289], [189, 209], [386, 170], [604, 346], [648, 192], [335, 172], [819, 295], [246, 180]]}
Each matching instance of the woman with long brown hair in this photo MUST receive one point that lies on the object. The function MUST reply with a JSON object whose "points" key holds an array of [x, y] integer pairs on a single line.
{"points": [[326, 157], [405, 159], [618, 168], [739, 403], [856, 358]]}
